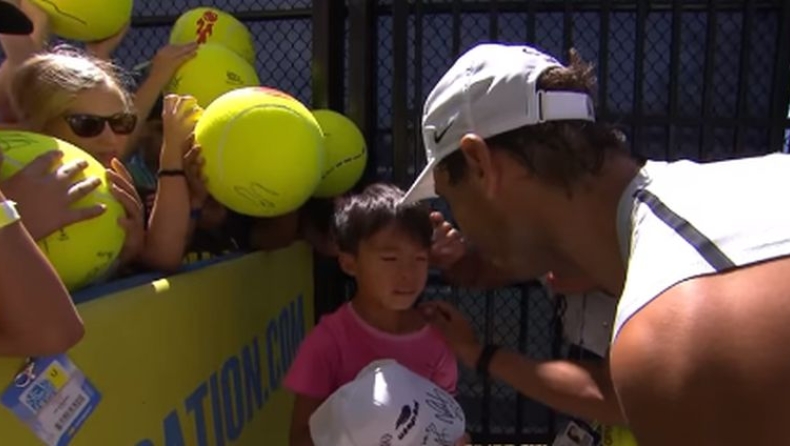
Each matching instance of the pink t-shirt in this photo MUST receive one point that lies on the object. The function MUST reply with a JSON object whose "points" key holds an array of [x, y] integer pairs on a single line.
{"points": [[342, 344]]}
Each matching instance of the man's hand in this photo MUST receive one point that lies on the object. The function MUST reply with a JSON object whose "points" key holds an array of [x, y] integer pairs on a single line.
{"points": [[448, 246], [45, 196], [455, 328]]}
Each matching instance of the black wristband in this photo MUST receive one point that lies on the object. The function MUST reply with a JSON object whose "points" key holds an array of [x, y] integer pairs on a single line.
{"points": [[484, 361], [171, 173]]}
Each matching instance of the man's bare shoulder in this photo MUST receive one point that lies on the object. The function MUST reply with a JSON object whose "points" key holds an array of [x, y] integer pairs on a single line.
{"points": [[706, 353]]}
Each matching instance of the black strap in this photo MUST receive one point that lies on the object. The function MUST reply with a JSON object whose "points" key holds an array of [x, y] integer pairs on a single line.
{"points": [[704, 246], [484, 361], [171, 173]]}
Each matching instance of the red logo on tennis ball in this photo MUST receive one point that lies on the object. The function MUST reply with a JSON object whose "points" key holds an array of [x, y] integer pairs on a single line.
{"points": [[205, 26], [274, 92]]}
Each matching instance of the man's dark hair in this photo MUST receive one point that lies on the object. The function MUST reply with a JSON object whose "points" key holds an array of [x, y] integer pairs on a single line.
{"points": [[358, 217], [559, 152]]}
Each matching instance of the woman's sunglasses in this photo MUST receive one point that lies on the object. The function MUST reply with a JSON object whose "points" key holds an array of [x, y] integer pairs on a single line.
{"points": [[88, 126]]}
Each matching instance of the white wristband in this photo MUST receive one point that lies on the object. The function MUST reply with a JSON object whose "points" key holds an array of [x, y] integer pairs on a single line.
{"points": [[8, 213]]}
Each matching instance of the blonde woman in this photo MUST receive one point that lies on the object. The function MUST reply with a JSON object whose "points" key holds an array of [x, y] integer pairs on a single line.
{"points": [[80, 99]]}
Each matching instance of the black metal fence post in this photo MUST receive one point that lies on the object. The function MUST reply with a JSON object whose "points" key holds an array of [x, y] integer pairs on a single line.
{"points": [[362, 104]]}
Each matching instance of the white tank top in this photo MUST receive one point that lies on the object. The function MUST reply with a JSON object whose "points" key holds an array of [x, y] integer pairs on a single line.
{"points": [[678, 220]]}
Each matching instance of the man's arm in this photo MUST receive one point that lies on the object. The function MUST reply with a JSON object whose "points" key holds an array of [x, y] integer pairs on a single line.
{"points": [[304, 406], [37, 316], [580, 388]]}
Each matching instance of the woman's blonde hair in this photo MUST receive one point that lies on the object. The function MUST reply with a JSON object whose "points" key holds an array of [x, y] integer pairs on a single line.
{"points": [[44, 85]]}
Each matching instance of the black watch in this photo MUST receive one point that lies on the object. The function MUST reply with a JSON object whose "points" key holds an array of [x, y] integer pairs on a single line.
{"points": [[484, 361]]}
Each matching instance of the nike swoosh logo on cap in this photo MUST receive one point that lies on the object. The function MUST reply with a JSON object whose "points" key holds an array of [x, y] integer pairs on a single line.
{"points": [[437, 136]]}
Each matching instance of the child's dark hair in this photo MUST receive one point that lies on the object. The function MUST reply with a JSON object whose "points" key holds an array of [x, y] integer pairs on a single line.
{"points": [[360, 216]]}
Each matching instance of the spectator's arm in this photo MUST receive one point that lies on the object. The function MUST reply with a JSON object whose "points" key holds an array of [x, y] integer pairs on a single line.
{"points": [[169, 224], [164, 65], [37, 316], [18, 49]]}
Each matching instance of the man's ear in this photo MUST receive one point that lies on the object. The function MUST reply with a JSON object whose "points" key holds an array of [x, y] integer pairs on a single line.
{"points": [[348, 263], [481, 166]]}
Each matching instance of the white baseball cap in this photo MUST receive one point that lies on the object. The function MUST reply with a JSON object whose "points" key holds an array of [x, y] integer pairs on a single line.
{"points": [[387, 404], [491, 89]]}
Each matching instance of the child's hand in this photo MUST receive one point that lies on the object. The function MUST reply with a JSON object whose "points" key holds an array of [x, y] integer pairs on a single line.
{"points": [[103, 49], [179, 115], [193, 166], [133, 223], [45, 197], [169, 59]]}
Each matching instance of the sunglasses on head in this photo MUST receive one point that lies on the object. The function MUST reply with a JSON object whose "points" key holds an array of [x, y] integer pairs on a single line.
{"points": [[88, 126]]}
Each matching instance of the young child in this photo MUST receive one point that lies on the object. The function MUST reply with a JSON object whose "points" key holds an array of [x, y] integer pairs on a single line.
{"points": [[385, 249]]}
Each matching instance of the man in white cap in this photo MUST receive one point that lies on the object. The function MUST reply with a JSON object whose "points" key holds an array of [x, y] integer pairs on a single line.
{"points": [[388, 405], [696, 253]]}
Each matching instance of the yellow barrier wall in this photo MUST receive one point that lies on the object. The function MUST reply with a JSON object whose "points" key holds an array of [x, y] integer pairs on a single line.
{"points": [[196, 359]]}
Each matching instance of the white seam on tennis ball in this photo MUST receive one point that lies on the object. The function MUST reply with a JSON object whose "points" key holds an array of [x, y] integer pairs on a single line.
{"points": [[223, 138]]}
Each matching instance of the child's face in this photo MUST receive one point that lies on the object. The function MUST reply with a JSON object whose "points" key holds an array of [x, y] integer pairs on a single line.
{"points": [[390, 266]]}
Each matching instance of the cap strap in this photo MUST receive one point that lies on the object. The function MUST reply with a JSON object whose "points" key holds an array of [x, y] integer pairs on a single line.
{"points": [[564, 106]]}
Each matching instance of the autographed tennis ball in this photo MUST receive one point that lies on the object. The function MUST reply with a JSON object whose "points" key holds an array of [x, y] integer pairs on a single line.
{"points": [[263, 151], [346, 154], [85, 251]]}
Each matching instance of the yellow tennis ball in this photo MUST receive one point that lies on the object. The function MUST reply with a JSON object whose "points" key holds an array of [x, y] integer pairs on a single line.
{"points": [[346, 154], [84, 251], [86, 20], [263, 151], [214, 71], [211, 25], [617, 436]]}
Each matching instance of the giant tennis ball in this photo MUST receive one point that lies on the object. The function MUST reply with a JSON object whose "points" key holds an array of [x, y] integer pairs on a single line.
{"points": [[263, 151], [86, 20], [617, 436], [211, 25], [84, 251], [346, 154], [214, 71]]}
